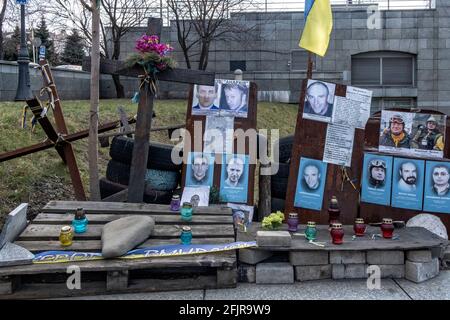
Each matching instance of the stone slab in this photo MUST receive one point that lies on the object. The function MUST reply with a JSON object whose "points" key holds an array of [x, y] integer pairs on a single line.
{"points": [[307, 273], [394, 271], [385, 257], [308, 258], [437, 288], [15, 223], [273, 239], [349, 271], [275, 272], [246, 273], [419, 255], [421, 271], [347, 257], [253, 256], [14, 255]]}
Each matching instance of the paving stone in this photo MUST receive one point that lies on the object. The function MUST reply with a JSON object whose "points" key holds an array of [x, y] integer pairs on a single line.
{"points": [[385, 257], [347, 257], [273, 239], [246, 273], [15, 223], [308, 258], [306, 273], [419, 255], [349, 271], [421, 271], [14, 255], [276, 273], [253, 256]]}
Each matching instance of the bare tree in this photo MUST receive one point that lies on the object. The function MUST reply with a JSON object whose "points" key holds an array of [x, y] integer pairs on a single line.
{"points": [[3, 4], [202, 21]]}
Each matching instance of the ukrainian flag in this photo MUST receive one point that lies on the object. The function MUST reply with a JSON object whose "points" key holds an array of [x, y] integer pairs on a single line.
{"points": [[318, 26]]}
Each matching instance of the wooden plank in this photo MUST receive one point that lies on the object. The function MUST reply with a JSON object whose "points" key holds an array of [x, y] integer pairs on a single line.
{"points": [[136, 185], [123, 208], [51, 232], [60, 290], [175, 75], [219, 259], [62, 130], [96, 245], [66, 218], [409, 238], [116, 280]]}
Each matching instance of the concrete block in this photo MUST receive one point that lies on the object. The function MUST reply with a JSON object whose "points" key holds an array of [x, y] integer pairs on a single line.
{"points": [[421, 271], [274, 273], [15, 223], [385, 257], [308, 258], [349, 271], [347, 257], [14, 255], [273, 239], [246, 273], [306, 273], [253, 256], [419, 255], [395, 271]]}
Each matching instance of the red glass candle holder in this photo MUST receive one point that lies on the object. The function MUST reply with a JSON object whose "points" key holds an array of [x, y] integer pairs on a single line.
{"points": [[359, 227], [333, 211], [337, 233], [387, 228]]}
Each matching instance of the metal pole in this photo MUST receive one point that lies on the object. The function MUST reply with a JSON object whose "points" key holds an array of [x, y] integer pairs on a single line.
{"points": [[23, 87]]}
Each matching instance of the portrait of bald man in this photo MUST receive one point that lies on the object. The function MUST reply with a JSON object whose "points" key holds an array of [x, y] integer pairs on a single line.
{"points": [[235, 169], [318, 95]]}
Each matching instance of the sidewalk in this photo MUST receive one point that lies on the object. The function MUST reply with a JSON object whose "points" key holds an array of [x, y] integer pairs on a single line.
{"points": [[437, 288]]}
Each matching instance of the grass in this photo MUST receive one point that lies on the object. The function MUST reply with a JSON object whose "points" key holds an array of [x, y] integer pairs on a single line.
{"points": [[40, 177]]}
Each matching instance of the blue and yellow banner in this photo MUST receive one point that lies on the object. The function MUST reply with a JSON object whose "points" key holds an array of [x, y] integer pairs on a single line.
{"points": [[150, 252], [318, 26]]}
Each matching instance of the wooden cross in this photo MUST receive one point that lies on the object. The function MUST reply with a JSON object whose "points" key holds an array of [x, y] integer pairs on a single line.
{"points": [[136, 183]]}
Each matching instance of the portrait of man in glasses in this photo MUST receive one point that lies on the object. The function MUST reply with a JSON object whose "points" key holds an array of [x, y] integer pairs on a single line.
{"points": [[395, 135]]}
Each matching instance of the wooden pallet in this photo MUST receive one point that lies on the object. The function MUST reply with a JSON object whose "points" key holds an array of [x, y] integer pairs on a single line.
{"points": [[210, 225]]}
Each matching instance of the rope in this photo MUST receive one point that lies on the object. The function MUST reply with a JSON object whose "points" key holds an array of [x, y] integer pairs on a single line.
{"points": [[346, 178], [60, 141]]}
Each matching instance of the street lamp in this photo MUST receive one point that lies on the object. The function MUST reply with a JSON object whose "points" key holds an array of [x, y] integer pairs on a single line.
{"points": [[23, 87]]}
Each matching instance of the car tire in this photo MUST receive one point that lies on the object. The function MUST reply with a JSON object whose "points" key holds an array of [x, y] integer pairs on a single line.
{"points": [[162, 180], [285, 148], [118, 172], [159, 154], [277, 204]]}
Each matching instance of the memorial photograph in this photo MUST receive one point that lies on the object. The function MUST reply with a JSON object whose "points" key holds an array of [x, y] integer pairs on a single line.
{"points": [[205, 99], [376, 179], [310, 184], [200, 169], [234, 178], [319, 99]]}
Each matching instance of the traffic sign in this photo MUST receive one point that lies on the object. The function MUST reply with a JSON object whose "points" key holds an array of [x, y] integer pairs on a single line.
{"points": [[41, 52], [22, 2]]}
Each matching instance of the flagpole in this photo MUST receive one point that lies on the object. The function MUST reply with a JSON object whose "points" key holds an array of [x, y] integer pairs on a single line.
{"points": [[310, 65]]}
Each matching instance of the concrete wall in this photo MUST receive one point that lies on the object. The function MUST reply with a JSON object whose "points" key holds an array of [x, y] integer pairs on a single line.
{"points": [[71, 85]]}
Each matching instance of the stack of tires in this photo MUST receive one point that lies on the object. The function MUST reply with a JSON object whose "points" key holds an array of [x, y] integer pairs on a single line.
{"points": [[161, 179], [279, 181]]}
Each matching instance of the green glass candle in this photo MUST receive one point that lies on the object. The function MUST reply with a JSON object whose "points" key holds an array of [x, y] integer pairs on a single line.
{"points": [[311, 231]]}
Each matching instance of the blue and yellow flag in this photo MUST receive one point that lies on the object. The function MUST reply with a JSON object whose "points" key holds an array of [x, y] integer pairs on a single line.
{"points": [[318, 26]]}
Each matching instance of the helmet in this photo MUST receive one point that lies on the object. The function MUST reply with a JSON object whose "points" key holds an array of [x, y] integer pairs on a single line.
{"points": [[397, 118], [377, 163], [431, 119]]}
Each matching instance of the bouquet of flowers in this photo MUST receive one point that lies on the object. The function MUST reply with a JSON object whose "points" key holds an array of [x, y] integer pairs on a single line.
{"points": [[273, 221], [153, 56]]}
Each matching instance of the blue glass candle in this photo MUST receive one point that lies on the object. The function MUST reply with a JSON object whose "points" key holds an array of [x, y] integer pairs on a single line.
{"points": [[80, 221], [311, 231], [186, 235], [186, 211]]}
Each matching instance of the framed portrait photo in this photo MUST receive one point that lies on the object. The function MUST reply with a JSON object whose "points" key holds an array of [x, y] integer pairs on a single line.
{"points": [[200, 169], [319, 99], [407, 184], [437, 187], [197, 196], [234, 178], [234, 98], [206, 99], [376, 179], [311, 180]]}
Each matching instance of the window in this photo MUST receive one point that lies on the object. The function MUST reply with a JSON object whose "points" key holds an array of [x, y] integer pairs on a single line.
{"points": [[299, 60], [237, 65], [383, 68]]}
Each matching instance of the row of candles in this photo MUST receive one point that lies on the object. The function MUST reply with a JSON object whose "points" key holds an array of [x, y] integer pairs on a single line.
{"points": [[335, 227]]}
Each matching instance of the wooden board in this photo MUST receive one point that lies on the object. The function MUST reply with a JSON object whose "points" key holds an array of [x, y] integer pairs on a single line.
{"points": [[210, 225], [409, 239], [309, 142], [239, 123], [374, 213]]}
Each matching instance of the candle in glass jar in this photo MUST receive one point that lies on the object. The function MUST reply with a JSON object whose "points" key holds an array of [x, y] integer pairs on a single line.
{"points": [[292, 222], [337, 233], [311, 231], [186, 211], [387, 228], [359, 227], [175, 203]]}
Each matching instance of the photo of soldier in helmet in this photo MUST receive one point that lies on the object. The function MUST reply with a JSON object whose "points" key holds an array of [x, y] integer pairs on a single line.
{"points": [[377, 173], [428, 136], [395, 134]]}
